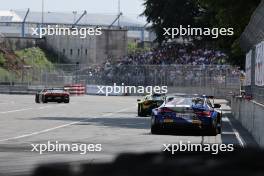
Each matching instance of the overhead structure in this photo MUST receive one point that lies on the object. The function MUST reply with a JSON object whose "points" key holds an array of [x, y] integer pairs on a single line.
{"points": [[79, 19], [11, 22], [23, 23], [117, 18]]}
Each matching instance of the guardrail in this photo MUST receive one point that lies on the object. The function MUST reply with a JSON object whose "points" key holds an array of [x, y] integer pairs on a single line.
{"points": [[19, 90]]}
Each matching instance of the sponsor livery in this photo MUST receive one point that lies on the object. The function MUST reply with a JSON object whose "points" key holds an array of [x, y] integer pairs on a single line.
{"points": [[52, 95], [148, 103], [181, 112]]}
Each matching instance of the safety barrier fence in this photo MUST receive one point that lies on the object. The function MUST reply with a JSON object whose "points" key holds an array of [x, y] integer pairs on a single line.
{"points": [[252, 42], [183, 76], [254, 83]]}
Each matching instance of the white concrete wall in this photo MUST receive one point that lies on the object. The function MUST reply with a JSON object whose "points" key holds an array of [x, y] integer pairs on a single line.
{"points": [[68, 46], [251, 116], [17, 43], [111, 42]]}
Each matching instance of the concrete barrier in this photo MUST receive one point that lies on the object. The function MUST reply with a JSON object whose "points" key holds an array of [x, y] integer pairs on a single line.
{"points": [[93, 90], [251, 116], [20, 89], [223, 93]]}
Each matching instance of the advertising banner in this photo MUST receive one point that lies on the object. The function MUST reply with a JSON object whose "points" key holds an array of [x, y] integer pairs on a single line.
{"points": [[248, 68], [259, 66]]}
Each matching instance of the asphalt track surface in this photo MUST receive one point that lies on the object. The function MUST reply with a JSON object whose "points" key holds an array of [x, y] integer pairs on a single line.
{"points": [[110, 121]]}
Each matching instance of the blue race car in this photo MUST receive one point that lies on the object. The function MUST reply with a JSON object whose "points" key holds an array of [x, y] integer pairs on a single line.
{"points": [[181, 112]]}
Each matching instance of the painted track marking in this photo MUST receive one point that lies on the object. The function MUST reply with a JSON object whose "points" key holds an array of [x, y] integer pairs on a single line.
{"points": [[58, 127], [235, 132]]}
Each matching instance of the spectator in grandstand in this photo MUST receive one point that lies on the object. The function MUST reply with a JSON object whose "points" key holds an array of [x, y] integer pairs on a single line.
{"points": [[167, 54]]}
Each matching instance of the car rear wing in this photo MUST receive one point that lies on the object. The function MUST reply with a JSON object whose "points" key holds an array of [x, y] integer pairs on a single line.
{"points": [[208, 96]]}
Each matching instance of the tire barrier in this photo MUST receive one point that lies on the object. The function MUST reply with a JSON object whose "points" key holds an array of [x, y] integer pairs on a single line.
{"points": [[76, 89]]}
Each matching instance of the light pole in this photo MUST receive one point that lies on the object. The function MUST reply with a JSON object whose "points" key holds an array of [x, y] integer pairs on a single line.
{"points": [[42, 12], [119, 11], [76, 72], [74, 15]]}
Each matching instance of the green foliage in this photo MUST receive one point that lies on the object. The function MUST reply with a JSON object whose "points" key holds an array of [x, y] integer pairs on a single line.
{"points": [[35, 57], [4, 74], [170, 13], [2, 60], [230, 13], [133, 48]]}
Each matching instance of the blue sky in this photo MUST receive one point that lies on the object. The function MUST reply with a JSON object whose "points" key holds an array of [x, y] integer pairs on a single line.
{"points": [[128, 7]]}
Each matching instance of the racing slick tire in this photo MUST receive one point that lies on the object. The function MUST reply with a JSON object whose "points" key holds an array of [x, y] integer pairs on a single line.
{"points": [[214, 130], [37, 99], [140, 113], [44, 100], [154, 127], [219, 124], [219, 130], [155, 130]]}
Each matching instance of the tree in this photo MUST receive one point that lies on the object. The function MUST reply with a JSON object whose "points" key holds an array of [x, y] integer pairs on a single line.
{"points": [[230, 13], [204, 13], [169, 13]]}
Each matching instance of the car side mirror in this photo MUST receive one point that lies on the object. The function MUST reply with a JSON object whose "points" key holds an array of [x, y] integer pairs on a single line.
{"points": [[217, 106]]}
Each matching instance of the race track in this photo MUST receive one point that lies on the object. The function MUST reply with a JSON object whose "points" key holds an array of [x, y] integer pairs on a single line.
{"points": [[110, 121]]}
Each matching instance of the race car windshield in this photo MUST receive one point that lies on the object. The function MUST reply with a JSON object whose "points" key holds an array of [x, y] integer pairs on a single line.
{"points": [[180, 101], [57, 91], [157, 97], [198, 101]]}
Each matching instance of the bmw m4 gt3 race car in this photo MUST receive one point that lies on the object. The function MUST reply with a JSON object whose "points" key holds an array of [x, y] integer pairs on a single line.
{"points": [[52, 95], [148, 103], [179, 112]]}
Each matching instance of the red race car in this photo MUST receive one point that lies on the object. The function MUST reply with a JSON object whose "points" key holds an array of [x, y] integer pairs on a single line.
{"points": [[53, 95]]}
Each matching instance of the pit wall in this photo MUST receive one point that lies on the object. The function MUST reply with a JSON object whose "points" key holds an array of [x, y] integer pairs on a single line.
{"points": [[251, 116]]}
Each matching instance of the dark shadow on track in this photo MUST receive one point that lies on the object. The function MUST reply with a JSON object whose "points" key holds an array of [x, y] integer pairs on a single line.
{"points": [[228, 134], [185, 132], [121, 122]]}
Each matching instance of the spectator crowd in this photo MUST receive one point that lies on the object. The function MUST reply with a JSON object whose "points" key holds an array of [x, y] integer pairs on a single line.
{"points": [[164, 65], [176, 54]]}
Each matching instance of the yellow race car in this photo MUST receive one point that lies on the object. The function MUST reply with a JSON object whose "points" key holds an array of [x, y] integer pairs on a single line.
{"points": [[148, 103]]}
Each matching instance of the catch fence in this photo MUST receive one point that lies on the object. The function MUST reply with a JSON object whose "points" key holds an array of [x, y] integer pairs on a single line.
{"points": [[221, 76]]}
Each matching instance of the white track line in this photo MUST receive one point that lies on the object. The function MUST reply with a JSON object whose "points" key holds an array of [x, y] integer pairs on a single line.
{"points": [[27, 109], [5, 103], [17, 110], [235, 132], [58, 127]]}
